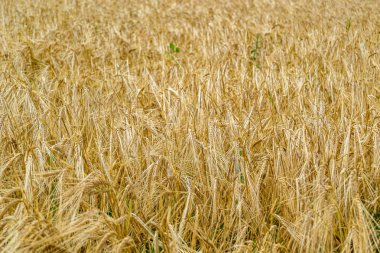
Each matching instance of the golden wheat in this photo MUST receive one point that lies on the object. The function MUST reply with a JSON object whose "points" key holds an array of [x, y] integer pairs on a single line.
{"points": [[189, 126]]}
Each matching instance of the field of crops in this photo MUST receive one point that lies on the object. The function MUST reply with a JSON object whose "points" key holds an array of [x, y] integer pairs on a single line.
{"points": [[189, 126]]}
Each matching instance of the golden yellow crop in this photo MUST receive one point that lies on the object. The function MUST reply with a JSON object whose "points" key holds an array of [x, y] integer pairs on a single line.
{"points": [[189, 126]]}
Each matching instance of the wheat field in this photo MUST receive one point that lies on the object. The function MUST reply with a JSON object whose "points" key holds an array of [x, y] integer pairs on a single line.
{"points": [[189, 126]]}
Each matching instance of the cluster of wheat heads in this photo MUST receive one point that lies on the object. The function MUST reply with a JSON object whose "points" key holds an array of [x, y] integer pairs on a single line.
{"points": [[189, 126]]}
